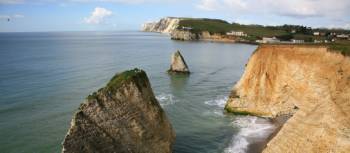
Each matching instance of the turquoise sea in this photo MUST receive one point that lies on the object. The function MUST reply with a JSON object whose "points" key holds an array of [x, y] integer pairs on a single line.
{"points": [[45, 76]]}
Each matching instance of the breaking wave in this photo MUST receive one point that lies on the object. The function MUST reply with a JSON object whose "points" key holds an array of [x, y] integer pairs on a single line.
{"points": [[251, 130], [219, 102], [165, 99]]}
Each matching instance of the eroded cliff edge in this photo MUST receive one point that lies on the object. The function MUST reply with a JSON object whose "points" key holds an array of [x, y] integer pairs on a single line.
{"points": [[122, 117], [309, 82]]}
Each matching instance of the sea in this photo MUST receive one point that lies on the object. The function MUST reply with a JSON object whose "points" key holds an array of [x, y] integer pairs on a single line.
{"points": [[44, 76]]}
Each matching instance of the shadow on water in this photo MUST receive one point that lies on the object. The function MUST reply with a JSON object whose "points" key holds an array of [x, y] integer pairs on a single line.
{"points": [[209, 75], [178, 81]]}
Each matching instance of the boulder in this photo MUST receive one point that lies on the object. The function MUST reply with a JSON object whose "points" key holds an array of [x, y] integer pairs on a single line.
{"points": [[178, 64], [123, 117]]}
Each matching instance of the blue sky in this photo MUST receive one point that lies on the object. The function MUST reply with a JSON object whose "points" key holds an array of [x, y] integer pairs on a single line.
{"points": [[82, 15]]}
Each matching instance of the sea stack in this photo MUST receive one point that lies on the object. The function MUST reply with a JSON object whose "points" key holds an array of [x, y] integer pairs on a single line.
{"points": [[178, 64], [122, 117], [310, 83]]}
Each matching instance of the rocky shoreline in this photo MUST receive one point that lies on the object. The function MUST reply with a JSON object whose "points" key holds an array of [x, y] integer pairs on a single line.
{"points": [[309, 82], [278, 123], [304, 90]]}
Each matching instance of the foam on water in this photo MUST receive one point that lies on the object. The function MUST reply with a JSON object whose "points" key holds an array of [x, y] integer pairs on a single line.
{"points": [[217, 106], [219, 102], [251, 130], [165, 99]]}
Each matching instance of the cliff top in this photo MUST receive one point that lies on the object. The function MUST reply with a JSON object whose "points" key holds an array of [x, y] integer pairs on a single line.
{"points": [[120, 78], [257, 32], [136, 75], [339, 47]]}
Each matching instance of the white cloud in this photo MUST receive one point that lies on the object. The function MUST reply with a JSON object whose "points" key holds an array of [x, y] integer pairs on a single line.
{"points": [[289, 8], [11, 1], [347, 26], [98, 16], [208, 5], [121, 1], [18, 16], [4, 17]]}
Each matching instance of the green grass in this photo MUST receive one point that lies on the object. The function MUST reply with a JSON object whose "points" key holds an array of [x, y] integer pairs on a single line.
{"points": [[237, 112], [210, 25], [92, 96], [120, 78], [256, 32], [341, 46], [137, 76], [222, 27]]}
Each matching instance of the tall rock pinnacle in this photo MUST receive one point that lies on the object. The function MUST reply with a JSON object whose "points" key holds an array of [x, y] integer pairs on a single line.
{"points": [[123, 117]]}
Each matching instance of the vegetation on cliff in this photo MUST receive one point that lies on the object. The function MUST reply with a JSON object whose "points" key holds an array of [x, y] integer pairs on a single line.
{"points": [[342, 46], [256, 32], [135, 75]]}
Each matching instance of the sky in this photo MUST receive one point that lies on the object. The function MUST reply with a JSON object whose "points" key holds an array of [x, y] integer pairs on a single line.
{"points": [[116, 15]]}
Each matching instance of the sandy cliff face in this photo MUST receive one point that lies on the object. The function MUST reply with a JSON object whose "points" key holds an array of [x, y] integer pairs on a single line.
{"points": [[164, 25], [122, 117], [309, 82]]}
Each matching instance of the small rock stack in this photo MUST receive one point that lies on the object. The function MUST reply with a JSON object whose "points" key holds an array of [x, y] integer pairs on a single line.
{"points": [[178, 64]]}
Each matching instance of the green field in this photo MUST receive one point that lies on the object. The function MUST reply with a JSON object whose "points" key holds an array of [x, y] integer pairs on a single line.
{"points": [[341, 46], [256, 32], [222, 27]]}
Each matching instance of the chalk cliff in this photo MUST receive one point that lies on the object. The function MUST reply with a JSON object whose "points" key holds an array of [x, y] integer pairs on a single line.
{"points": [[122, 117], [165, 25], [178, 64], [183, 35], [170, 25], [309, 82]]}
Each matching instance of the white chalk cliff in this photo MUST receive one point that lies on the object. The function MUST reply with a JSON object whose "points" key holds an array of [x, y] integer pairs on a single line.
{"points": [[165, 25]]}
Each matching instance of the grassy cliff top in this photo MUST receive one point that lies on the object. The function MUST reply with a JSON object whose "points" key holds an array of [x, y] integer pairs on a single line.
{"points": [[137, 76], [221, 26], [342, 47], [256, 32], [125, 76]]}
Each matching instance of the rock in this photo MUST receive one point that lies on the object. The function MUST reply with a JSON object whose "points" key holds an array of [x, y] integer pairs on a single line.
{"points": [[186, 35], [165, 25], [178, 64], [309, 82], [123, 117], [183, 35]]}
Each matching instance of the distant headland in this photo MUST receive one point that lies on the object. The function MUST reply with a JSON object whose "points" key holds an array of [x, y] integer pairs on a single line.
{"points": [[192, 29]]}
